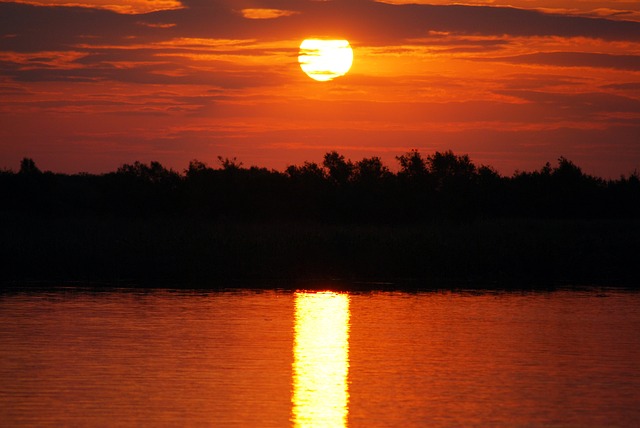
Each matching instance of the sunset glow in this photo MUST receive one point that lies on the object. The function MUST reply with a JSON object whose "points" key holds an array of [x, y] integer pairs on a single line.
{"points": [[93, 85]]}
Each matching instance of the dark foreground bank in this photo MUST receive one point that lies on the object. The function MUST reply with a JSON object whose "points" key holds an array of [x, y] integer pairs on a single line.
{"points": [[202, 253]]}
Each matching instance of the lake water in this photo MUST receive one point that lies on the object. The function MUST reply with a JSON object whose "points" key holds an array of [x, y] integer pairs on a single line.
{"points": [[278, 359]]}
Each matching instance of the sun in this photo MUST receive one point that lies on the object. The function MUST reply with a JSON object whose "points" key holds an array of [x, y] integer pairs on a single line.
{"points": [[324, 59]]}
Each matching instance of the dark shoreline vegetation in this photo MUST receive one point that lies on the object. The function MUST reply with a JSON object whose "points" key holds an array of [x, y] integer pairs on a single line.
{"points": [[439, 222]]}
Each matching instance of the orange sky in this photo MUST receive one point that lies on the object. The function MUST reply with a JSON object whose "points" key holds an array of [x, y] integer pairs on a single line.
{"points": [[90, 87]]}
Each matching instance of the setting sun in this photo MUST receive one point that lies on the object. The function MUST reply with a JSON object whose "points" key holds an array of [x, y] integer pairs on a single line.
{"points": [[325, 60]]}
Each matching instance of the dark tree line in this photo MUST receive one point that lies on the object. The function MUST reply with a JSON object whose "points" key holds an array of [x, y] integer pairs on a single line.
{"points": [[440, 185]]}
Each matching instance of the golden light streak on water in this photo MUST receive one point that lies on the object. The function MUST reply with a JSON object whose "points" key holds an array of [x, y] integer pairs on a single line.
{"points": [[321, 360]]}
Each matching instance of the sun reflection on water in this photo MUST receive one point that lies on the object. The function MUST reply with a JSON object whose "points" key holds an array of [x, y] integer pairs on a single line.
{"points": [[321, 360]]}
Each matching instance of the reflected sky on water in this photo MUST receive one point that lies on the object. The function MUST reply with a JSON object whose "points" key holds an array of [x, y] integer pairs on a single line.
{"points": [[276, 359]]}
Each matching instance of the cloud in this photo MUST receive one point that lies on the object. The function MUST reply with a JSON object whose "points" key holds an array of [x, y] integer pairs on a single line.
{"points": [[122, 6], [367, 22], [156, 24], [572, 59], [623, 9], [582, 106], [148, 74], [531, 81], [265, 13], [630, 86], [35, 28]]}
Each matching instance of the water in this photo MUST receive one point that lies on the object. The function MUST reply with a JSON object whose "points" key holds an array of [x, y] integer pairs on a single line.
{"points": [[277, 359]]}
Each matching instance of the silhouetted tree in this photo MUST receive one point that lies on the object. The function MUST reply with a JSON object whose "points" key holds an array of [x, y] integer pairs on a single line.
{"points": [[152, 173], [309, 187], [453, 179], [414, 193], [412, 165], [28, 167], [370, 170], [371, 197], [229, 164], [449, 169], [339, 169], [576, 193], [308, 172], [488, 174], [195, 167], [490, 191], [567, 170]]}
